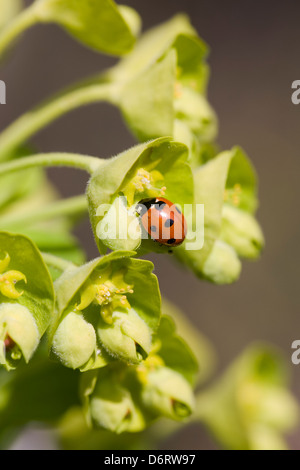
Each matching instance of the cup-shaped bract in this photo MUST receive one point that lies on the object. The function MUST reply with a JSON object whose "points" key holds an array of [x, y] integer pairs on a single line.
{"points": [[226, 186], [103, 312], [26, 299], [98, 24], [251, 406], [168, 375], [108, 402], [157, 168]]}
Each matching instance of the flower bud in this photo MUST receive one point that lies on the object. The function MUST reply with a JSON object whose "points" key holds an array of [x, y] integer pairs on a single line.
{"points": [[120, 228], [270, 405], [74, 341], [19, 335], [149, 170], [251, 406], [241, 230], [111, 405], [165, 392], [222, 265], [128, 337]]}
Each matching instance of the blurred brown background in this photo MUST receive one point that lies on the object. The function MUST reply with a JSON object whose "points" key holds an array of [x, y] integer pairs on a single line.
{"points": [[254, 60]]}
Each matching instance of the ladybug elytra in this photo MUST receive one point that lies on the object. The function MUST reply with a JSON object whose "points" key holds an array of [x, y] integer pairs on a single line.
{"points": [[162, 221]]}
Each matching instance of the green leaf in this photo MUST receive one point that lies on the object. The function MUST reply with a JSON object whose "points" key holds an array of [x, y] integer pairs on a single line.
{"points": [[98, 24], [8, 10]]}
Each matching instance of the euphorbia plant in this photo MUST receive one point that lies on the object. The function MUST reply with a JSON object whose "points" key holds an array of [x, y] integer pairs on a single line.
{"points": [[98, 327]]}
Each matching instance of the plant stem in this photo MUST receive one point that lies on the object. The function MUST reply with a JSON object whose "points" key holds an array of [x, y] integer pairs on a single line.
{"points": [[56, 262], [81, 162], [72, 206], [33, 121], [23, 21]]}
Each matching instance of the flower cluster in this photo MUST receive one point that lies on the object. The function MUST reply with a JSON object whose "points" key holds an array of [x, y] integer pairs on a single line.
{"points": [[102, 313], [250, 407]]}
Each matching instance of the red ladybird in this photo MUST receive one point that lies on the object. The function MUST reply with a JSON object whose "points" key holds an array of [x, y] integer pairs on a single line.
{"points": [[162, 221]]}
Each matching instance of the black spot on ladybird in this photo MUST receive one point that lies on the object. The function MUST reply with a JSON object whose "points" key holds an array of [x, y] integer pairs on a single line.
{"points": [[160, 205], [169, 223], [153, 228], [171, 241]]}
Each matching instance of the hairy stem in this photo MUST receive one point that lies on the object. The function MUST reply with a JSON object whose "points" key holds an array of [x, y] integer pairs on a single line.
{"points": [[73, 206], [81, 162], [23, 21], [30, 123]]}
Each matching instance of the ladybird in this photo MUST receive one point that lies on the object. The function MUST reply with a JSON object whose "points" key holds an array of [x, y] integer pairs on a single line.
{"points": [[162, 221]]}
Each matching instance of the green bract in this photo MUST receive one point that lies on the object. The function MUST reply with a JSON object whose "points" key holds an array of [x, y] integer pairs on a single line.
{"points": [[108, 401], [174, 351], [167, 393], [8, 10], [168, 374], [148, 170], [169, 60], [201, 347], [103, 312], [99, 24], [227, 187], [177, 33], [26, 299], [251, 407]]}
